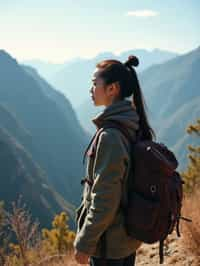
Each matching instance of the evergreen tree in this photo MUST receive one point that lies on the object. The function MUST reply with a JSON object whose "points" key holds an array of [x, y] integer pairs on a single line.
{"points": [[192, 174], [59, 238]]}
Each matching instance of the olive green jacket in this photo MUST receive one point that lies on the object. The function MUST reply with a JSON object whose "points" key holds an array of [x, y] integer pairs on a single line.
{"points": [[101, 208]]}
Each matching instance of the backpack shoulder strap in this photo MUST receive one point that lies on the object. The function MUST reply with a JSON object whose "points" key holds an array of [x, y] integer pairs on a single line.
{"points": [[92, 142], [161, 255]]}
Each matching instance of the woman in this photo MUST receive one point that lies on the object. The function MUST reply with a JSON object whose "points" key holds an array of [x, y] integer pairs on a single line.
{"points": [[101, 237]]}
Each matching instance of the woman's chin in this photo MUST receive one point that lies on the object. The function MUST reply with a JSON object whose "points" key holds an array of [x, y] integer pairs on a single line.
{"points": [[93, 101]]}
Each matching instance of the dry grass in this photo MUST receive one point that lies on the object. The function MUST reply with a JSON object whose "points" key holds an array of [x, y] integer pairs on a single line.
{"points": [[54, 260], [57, 260], [191, 231]]}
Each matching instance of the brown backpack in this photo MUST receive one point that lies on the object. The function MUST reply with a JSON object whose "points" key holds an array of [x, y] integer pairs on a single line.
{"points": [[155, 190]]}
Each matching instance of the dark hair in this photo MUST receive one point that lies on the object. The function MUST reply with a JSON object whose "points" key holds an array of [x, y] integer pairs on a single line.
{"points": [[125, 74]]}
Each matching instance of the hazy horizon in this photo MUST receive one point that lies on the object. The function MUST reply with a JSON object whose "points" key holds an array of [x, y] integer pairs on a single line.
{"points": [[101, 52], [63, 30]]}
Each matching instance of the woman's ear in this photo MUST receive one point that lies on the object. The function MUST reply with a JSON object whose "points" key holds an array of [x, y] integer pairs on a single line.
{"points": [[114, 89]]}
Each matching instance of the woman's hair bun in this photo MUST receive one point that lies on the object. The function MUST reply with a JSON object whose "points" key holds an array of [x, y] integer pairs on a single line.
{"points": [[132, 61]]}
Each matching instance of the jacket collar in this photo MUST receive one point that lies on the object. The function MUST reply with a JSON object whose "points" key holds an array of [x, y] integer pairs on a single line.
{"points": [[122, 111]]}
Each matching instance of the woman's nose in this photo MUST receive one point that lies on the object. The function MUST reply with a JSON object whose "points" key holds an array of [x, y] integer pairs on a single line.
{"points": [[91, 90]]}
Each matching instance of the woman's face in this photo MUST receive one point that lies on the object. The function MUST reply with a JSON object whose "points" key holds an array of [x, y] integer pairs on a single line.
{"points": [[98, 90], [101, 93]]}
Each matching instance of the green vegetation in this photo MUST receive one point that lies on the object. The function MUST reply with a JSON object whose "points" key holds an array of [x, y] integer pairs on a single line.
{"points": [[192, 174]]}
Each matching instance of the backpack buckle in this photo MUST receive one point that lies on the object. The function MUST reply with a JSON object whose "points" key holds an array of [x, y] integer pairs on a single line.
{"points": [[87, 180], [153, 189]]}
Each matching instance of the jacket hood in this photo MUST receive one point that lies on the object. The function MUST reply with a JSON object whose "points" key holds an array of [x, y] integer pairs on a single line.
{"points": [[122, 111]]}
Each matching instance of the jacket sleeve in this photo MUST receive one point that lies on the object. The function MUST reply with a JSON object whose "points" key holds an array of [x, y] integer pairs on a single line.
{"points": [[109, 169]]}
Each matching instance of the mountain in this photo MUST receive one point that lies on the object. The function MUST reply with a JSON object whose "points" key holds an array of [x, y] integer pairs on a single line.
{"points": [[74, 78], [48, 69], [173, 97], [20, 175], [62, 102], [148, 58], [56, 139], [174, 83]]}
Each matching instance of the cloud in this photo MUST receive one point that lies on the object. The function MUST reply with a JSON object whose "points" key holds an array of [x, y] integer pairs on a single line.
{"points": [[142, 13]]}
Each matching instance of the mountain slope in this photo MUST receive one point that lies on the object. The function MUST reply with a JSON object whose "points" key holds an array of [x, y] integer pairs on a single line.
{"points": [[174, 83], [20, 175], [57, 145], [173, 97], [62, 102]]}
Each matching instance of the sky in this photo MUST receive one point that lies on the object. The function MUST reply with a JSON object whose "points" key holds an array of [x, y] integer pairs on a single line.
{"points": [[56, 31]]}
